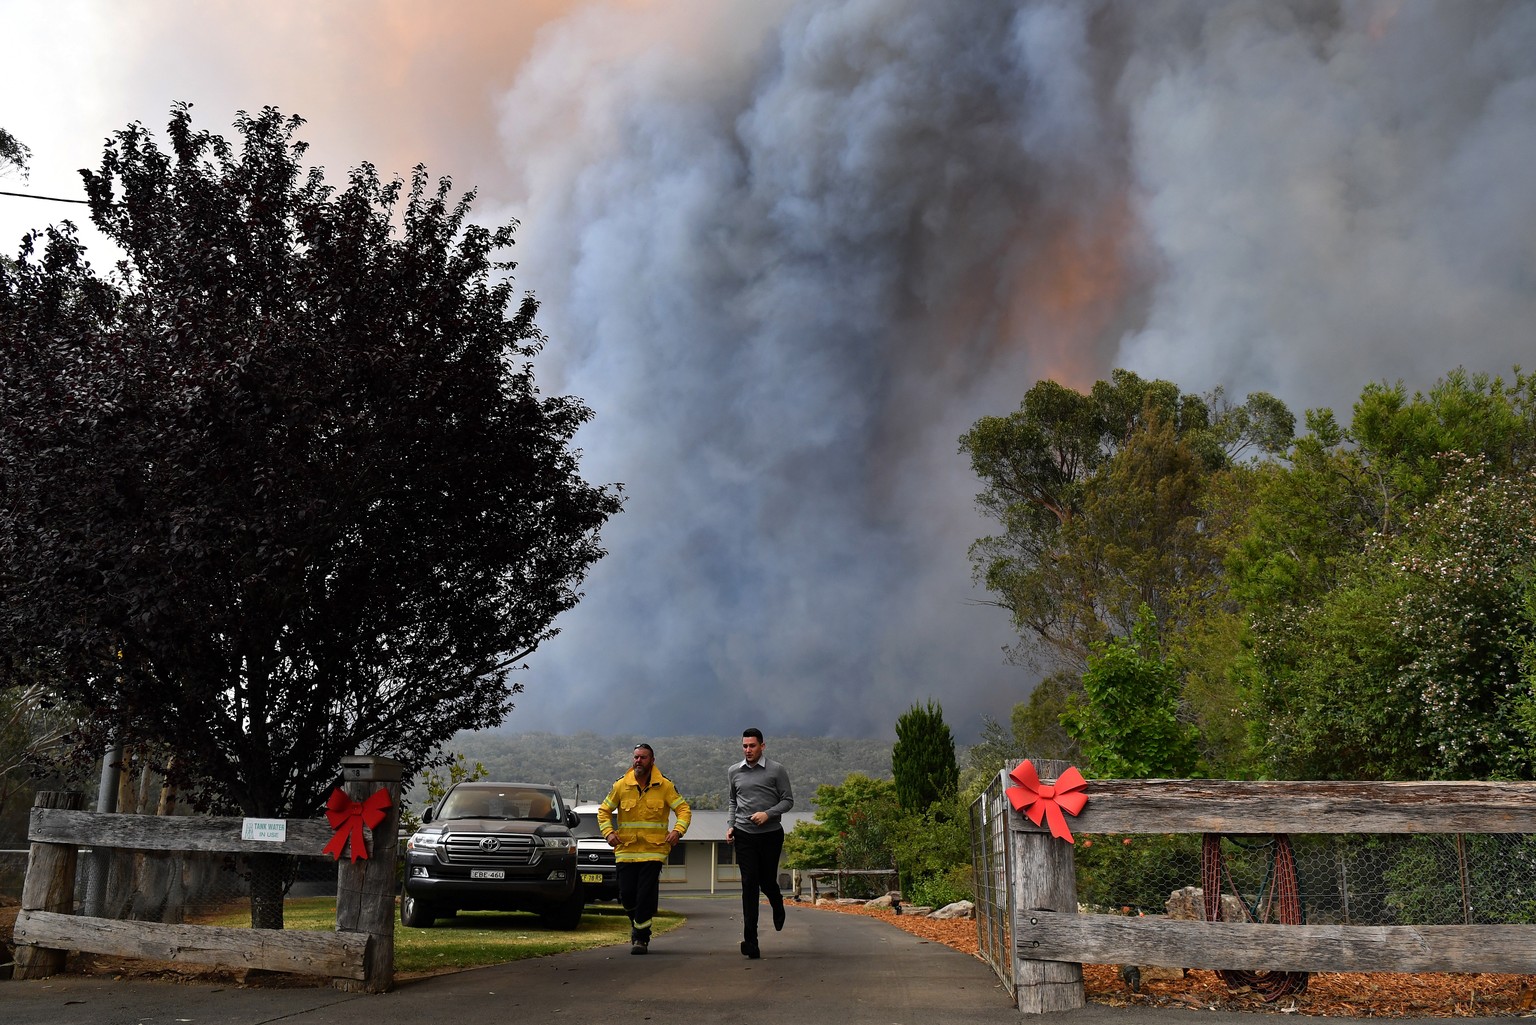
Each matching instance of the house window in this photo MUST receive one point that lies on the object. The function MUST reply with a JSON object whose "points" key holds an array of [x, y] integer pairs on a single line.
{"points": [[678, 855], [725, 854]]}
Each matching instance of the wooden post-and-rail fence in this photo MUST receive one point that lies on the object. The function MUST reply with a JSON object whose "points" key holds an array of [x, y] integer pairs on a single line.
{"points": [[358, 956], [1052, 940]]}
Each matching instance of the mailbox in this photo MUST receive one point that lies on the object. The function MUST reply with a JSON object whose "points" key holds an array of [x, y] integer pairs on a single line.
{"points": [[369, 769]]}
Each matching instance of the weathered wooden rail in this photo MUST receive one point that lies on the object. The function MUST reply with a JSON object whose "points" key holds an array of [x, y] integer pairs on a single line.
{"points": [[1052, 939], [359, 955], [840, 876]]}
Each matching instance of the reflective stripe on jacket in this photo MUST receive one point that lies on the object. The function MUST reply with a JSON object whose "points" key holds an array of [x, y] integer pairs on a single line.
{"points": [[639, 816]]}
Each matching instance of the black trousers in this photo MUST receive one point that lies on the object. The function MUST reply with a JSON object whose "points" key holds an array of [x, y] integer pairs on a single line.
{"points": [[639, 889], [757, 857]]}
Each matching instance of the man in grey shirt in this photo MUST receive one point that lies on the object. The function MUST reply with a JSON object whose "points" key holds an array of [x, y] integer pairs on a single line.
{"points": [[758, 794]]}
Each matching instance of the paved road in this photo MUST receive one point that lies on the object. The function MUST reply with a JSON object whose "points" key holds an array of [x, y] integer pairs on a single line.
{"points": [[823, 968]]}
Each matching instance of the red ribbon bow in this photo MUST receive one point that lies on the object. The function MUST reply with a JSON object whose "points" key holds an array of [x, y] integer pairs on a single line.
{"points": [[1038, 801], [348, 817]]}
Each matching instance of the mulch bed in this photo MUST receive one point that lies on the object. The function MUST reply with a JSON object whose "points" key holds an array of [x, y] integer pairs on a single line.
{"points": [[1328, 994]]}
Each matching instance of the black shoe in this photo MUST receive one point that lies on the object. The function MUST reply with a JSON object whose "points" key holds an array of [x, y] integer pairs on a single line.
{"points": [[640, 947], [750, 950], [778, 917]]}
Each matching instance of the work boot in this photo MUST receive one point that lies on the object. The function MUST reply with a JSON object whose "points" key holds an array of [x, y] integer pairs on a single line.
{"points": [[640, 947], [750, 950], [778, 917]]}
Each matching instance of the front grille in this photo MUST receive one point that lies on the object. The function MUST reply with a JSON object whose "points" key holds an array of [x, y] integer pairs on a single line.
{"points": [[473, 850], [595, 857]]}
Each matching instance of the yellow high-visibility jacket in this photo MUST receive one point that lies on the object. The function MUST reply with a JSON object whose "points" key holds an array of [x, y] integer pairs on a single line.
{"points": [[639, 816]]}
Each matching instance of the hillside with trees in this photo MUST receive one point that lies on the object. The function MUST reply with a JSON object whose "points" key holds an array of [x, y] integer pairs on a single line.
{"points": [[586, 764]]}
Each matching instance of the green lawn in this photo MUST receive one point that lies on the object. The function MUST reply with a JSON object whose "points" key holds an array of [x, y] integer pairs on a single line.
{"points": [[471, 939]]}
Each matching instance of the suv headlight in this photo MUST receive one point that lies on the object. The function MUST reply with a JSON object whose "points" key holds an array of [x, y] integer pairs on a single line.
{"points": [[422, 841], [558, 842]]}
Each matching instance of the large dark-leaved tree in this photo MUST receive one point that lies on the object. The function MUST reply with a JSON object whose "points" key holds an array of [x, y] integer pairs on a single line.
{"points": [[281, 488]]}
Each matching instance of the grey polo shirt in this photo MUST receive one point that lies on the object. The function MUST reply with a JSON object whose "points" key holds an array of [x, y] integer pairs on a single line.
{"points": [[754, 788]]}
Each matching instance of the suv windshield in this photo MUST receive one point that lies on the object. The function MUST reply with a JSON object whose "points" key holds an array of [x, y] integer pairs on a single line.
{"points": [[521, 803], [589, 829]]}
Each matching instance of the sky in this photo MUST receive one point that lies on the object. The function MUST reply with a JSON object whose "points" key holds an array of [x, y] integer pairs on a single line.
{"points": [[790, 250]]}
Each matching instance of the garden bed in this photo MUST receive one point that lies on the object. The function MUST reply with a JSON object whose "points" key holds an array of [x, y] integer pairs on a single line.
{"points": [[1328, 994]]}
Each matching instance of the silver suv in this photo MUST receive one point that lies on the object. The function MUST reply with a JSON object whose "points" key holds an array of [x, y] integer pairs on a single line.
{"points": [[494, 847], [594, 858]]}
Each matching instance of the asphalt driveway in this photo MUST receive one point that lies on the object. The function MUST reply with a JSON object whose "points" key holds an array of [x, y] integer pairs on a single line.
{"points": [[823, 968]]}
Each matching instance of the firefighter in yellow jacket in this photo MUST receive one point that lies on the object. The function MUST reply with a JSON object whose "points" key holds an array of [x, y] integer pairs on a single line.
{"points": [[634, 817]]}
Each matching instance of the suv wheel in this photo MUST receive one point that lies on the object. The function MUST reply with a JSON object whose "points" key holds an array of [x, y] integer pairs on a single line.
{"points": [[417, 914], [566, 915]]}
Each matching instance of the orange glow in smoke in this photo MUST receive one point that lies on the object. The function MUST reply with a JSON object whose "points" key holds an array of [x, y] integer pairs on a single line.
{"points": [[1065, 301], [1381, 19]]}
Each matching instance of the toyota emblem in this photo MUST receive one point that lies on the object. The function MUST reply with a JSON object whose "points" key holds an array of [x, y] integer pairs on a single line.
{"points": [[593, 856], [490, 843]]}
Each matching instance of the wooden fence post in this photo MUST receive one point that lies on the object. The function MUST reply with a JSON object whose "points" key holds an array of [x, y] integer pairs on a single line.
{"points": [[366, 888], [49, 886], [1044, 879]]}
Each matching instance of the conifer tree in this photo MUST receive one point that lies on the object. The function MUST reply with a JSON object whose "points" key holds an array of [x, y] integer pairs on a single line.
{"points": [[923, 760]]}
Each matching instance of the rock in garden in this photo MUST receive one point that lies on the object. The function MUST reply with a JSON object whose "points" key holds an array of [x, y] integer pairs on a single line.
{"points": [[1188, 904], [959, 909]]}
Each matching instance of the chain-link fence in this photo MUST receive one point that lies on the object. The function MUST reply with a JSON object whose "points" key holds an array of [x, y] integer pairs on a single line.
{"points": [[174, 886], [170, 887], [13, 871], [1432, 879]]}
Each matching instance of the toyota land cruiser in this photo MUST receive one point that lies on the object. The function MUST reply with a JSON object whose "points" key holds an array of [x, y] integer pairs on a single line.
{"points": [[494, 847]]}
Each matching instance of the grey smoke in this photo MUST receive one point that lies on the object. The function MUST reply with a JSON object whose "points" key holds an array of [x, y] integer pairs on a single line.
{"points": [[1338, 198], [790, 261]]}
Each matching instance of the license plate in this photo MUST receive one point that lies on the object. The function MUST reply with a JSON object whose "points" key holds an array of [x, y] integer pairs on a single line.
{"points": [[591, 877], [487, 873]]}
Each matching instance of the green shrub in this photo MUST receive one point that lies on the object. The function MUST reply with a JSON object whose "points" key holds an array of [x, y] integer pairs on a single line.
{"points": [[935, 891]]}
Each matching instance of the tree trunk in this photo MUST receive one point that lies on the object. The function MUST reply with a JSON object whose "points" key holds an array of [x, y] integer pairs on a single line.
{"points": [[269, 884]]}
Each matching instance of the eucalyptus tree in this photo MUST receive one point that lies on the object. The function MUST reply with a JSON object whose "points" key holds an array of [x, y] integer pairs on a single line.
{"points": [[1098, 497], [14, 154]]}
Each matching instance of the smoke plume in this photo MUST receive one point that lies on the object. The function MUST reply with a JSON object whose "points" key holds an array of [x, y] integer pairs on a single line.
{"points": [[789, 250]]}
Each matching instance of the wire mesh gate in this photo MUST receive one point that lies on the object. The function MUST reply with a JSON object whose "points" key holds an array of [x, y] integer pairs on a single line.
{"points": [[993, 883]]}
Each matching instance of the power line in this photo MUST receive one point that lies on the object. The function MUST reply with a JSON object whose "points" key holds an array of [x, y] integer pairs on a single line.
{"points": [[33, 195]]}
